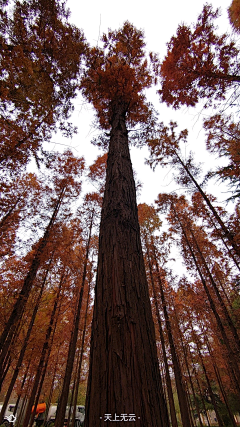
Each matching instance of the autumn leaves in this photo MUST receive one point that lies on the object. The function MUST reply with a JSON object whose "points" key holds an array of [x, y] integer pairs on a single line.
{"points": [[118, 73], [40, 70], [47, 285], [199, 64]]}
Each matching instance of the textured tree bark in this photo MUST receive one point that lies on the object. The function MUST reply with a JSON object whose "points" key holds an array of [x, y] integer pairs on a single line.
{"points": [[181, 392], [124, 375], [168, 378], [60, 415]]}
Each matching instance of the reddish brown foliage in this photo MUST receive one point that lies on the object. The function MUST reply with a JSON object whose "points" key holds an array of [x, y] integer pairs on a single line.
{"points": [[199, 64]]}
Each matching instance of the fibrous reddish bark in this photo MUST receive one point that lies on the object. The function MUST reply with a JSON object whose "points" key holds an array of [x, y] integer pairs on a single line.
{"points": [[124, 375]]}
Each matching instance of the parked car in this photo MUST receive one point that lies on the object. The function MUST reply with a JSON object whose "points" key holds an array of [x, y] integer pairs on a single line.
{"points": [[79, 415], [9, 413]]}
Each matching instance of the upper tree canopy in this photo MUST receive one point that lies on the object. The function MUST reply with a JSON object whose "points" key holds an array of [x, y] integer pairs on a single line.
{"points": [[234, 15], [118, 73], [40, 54], [199, 64]]}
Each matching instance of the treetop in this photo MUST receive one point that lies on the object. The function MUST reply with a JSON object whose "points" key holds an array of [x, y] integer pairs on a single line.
{"points": [[117, 74]]}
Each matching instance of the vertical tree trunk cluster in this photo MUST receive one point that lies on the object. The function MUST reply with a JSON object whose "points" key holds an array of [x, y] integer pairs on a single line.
{"points": [[124, 375], [196, 377], [18, 309]]}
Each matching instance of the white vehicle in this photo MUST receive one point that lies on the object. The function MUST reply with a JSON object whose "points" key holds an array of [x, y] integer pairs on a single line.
{"points": [[8, 416], [52, 412], [79, 415]]}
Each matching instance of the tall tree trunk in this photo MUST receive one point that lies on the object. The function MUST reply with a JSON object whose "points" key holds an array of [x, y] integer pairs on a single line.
{"points": [[182, 398], [73, 342], [23, 349], [221, 302], [81, 358], [6, 356], [44, 371], [200, 391], [168, 378], [22, 299], [193, 390], [42, 360], [49, 399], [71, 413], [232, 359], [124, 376], [24, 401], [190, 405], [184, 352], [228, 234], [224, 395], [5, 368], [213, 400], [230, 252]]}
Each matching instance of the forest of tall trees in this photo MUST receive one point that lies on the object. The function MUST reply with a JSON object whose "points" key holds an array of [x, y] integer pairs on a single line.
{"points": [[94, 308]]}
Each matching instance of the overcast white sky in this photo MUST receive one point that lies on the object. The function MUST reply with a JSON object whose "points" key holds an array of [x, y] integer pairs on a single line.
{"points": [[159, 20]]}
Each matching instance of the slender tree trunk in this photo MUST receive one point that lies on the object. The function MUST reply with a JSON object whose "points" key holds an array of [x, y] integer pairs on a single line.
{"points": [[193, 390], [232, 359], [225, 230], [71, 412], [73, 342], [184, 351], [185, 415], [22, 410], [42, 361], [6, 357], [124, 376], [213, 400], [168, 378], [49, 399], [22, 352], [80, 361], [221, 302], [230, 253], [43, 373], [223, 290], [200, 391], [6, 365], [23, 403], [190, 406], [224, 395], [28, 283]]}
